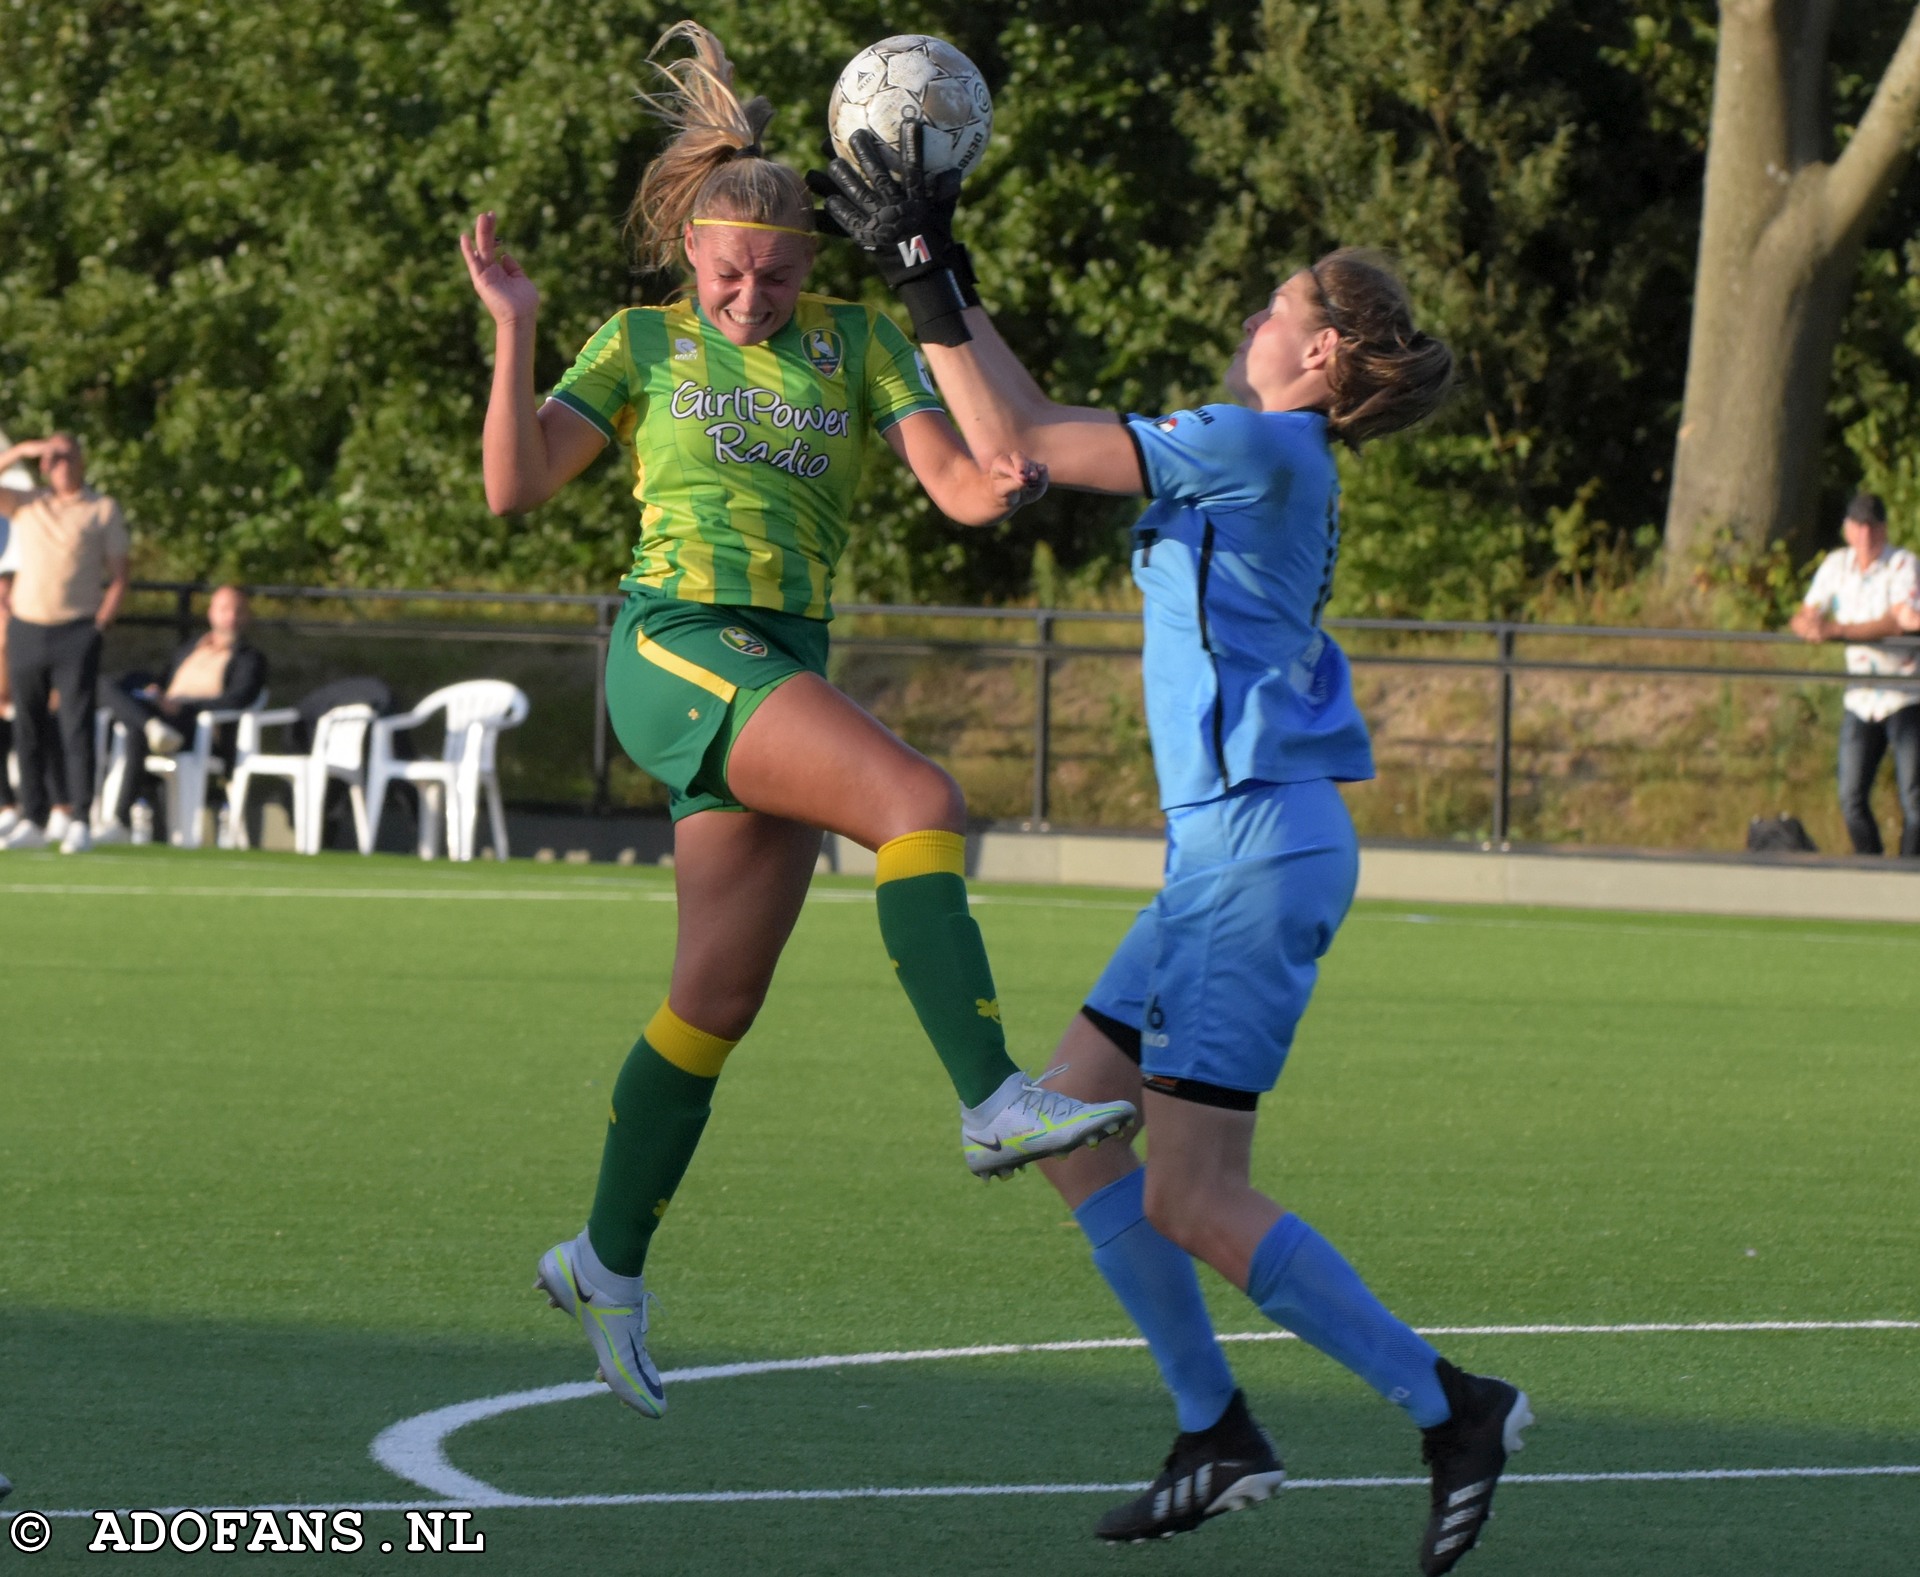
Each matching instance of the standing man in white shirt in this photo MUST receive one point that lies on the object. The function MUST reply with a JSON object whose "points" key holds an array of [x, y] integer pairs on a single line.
{"points": [[1867, 591], [69, 547]]}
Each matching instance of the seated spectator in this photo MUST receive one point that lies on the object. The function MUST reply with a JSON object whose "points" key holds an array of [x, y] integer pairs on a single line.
{"points": [[217, 671], [1869, 590]]}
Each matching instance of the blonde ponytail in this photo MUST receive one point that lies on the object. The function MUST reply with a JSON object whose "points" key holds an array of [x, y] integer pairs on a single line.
{"points": [[714, 166]]}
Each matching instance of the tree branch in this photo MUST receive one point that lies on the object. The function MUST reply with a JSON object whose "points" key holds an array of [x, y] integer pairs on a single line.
{"points": [[1863, 175], [1804, 37]]}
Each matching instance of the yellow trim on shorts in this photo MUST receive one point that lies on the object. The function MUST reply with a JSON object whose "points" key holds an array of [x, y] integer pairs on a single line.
{"points": [[688, 1049], [680, 668], [920, 854]]}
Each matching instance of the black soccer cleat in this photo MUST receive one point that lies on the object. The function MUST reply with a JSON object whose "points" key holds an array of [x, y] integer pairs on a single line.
{"points": [[1226, 1468], [1467, 1454]]}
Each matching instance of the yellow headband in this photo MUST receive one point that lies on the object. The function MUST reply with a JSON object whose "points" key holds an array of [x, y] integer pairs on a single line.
{"points": [[748, 224]]}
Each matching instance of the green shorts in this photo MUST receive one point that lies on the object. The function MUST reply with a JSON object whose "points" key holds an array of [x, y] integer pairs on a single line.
{"points": [[684, 677]]}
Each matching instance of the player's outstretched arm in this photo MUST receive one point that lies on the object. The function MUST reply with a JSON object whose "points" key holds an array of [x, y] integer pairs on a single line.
{"points": [[528, 452], [903, 222], [1000, 409], [962, 488]]}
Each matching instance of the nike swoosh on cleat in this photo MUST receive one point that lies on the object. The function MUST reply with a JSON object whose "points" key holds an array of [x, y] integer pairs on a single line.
{"points": [[983, 1144]]}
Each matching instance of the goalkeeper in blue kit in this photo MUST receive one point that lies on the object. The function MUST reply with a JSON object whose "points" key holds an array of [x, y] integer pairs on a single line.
{"points": [[1253, 724]]}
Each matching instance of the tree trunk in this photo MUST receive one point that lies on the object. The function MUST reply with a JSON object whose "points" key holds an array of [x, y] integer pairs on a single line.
{"points": [[1780, 238]]}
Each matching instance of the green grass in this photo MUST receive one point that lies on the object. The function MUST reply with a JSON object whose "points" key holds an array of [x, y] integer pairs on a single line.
{"points": [[275, 1167]]}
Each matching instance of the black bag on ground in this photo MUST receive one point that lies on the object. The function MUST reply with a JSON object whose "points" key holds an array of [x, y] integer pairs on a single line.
{"points": [[1781, 834]]}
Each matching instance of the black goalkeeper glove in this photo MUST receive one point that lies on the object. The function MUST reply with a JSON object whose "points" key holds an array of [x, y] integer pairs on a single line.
{"points": [[904, 222]]}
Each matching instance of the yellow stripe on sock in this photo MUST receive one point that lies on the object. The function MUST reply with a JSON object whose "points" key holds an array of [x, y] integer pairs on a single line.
{"points": [[680, 668], [920, 854], [688, 1049]]}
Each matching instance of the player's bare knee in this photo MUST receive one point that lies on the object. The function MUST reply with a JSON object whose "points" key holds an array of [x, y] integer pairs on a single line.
{"points": [[1176, 1212], [726, 1011], [938, 801]]}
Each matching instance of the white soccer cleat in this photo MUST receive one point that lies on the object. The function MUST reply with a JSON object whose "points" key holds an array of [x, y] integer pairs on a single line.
{"points": [[1023, 1121], [618, 1332], [76, 839], [9, 819], [25, 835]]}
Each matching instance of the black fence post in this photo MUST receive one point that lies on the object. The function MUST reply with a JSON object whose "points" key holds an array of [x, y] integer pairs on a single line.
{"points": [[1503, 741], [1042, 718], [602, 641], [183, 614]]}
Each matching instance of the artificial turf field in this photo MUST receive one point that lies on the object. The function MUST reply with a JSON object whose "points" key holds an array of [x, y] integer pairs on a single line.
{"points": [[281, 1139]]}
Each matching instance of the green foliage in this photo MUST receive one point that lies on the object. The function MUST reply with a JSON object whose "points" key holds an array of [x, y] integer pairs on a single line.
{"points": [[1744, 587], [227, 256]]}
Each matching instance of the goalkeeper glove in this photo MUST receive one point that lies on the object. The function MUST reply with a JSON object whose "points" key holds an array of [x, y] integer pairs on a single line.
{"points": [[904, 222]]}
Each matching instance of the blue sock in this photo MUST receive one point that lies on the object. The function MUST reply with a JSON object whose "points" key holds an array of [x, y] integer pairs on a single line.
{"points": [[1156, 1284], [1300, 1281]]}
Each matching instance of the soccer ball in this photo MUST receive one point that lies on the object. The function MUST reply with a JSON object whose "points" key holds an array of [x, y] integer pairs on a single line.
{"points": [[914, 72]]}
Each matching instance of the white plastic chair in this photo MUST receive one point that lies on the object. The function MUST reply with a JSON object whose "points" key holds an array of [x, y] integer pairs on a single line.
{"points": [[188, 773], [339, 754], [476, 711]]}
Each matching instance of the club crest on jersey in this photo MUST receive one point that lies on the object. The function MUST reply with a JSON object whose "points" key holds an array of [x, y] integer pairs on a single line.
{"points": [[685, 349], [745, 642], [822, 347]]}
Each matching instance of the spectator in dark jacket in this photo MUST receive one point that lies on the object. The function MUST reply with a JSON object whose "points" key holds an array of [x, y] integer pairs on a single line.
{"points": [[215, 672]]}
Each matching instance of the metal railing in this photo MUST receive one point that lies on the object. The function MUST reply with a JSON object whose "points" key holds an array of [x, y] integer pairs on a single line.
{"points": [[592, 628]]}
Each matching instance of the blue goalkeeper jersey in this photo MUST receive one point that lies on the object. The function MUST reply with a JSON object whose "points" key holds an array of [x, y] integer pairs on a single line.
{"points": [[1235, 556]]}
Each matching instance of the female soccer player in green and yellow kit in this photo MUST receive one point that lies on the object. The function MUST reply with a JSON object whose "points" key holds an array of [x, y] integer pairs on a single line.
{"points": [[747, 409]]}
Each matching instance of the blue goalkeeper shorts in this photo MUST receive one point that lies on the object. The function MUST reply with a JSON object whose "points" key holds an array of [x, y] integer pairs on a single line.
{"points": [[1217, 970]]}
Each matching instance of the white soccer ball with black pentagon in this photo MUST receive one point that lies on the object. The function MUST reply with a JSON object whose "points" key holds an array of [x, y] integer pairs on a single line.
{"points": [[914, 72]]}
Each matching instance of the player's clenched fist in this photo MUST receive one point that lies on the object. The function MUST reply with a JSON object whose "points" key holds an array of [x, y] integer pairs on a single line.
{"points": [[1017, 481]]}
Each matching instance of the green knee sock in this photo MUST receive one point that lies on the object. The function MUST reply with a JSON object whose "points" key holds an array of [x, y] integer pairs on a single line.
{"points": [[661, 1102], [941, 959]]}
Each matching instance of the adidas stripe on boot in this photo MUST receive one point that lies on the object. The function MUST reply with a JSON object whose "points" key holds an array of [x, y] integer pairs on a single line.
{"points": [[1225, 1468], [1467, 1454]]}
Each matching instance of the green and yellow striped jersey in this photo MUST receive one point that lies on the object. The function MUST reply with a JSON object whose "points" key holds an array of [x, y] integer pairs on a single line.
{"points": [[746, 458]]}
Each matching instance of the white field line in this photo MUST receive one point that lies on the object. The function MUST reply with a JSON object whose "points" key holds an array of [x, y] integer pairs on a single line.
{"points": [[415, 1448], [728, 1497]]}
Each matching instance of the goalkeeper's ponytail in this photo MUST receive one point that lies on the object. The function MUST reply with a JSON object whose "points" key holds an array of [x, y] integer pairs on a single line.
{"points": [[1387, 374], [714, 166]]}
